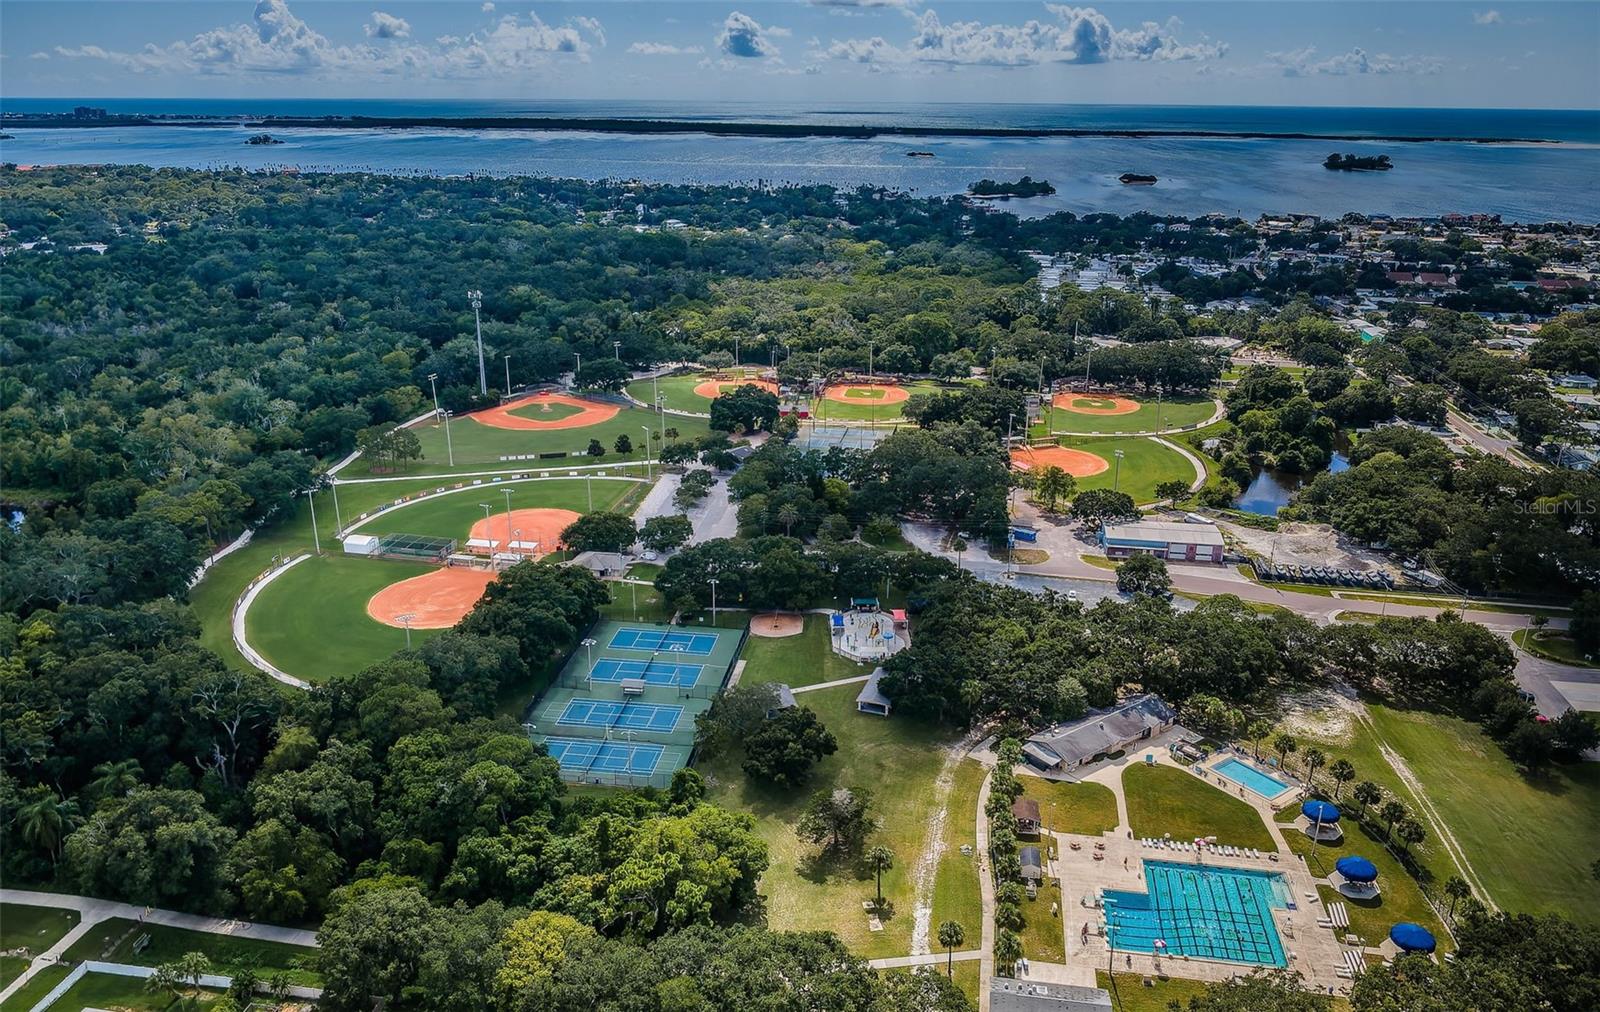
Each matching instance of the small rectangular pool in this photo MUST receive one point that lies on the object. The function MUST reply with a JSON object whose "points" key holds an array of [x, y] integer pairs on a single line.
{"points": [[1200, 911], [1245, 775]]}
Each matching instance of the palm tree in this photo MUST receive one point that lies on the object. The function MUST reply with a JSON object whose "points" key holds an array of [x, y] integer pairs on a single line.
{"points": [[1411, 833], [788, 516], [113, 780], [1392, 812], [1258, 729], [1342, 772], [1284, 745], [951, 934], [1314, 758], [959, 545], [1369, 794], [1457, 889], [879, 860], [1007, 949], [47, 821]]}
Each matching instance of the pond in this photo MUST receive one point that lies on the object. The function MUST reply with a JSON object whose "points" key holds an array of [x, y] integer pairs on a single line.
{"points": [[1270, 490]]}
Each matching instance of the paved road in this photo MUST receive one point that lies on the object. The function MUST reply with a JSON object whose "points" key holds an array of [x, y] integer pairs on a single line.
{"points": [[92, 911], [1463, 427]]}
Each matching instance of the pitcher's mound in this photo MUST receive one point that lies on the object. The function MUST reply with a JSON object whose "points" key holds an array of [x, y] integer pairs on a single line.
{"points": [[1088, 404], [1078, 463], [776, 625], [435, 600], [527, 528], [505, 417], [712, 389]]}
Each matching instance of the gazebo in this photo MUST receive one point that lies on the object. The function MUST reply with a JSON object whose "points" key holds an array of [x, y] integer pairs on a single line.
{"points": [[1409, 937], [1355, 877], [1320, 821]]}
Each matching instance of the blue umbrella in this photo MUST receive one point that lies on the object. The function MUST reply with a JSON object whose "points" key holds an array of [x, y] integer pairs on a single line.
{"points": [[1320, 811], [1412, 937], [1357, 869]]}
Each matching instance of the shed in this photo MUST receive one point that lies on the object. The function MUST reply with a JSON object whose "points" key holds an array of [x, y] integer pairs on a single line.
{"points": [[1032, 866], [783, 699], [871, 699], [361, 544]]}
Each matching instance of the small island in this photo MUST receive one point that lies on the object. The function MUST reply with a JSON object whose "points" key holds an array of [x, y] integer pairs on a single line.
{"points": [[1357, 163], [1027, 186], [263, 139], [919, 154], [1135, 179]]}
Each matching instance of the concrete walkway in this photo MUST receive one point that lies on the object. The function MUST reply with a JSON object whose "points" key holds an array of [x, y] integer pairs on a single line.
{"points": [[92, 911], [986, 887], [858, 679], [926, 959]]}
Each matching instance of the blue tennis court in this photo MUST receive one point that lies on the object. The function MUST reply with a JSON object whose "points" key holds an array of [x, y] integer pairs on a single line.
{"points": [[610, 669], [628, 715], [578, 755], [630, 638]]}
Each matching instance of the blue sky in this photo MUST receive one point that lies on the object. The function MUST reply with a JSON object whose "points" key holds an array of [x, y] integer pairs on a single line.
{"points": [[1183, 52]]}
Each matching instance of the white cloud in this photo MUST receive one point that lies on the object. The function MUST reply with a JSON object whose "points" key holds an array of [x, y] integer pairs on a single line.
{"points": [[663, 49], [746, 38], [279, 42], [1076, 35], [1304, 63], [387, 26], [864, 3], [488, 6], [1487, 18]]}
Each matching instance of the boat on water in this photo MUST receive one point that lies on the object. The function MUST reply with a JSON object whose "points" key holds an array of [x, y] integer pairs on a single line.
{"points": [[1136, 179]]}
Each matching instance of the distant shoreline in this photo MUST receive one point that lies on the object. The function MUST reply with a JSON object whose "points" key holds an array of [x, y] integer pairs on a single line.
{"points": [[728, 129]]}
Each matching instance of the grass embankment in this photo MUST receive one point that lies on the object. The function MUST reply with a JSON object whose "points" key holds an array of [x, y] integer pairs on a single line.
{"points": [[1164, 800], [897, 760], [228, 953]]}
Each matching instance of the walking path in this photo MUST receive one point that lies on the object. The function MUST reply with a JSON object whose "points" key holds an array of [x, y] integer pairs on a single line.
{"points": [[926, 959], [986, 886], [92, 911], [241, 641], [1199, 468], [830, 685]]}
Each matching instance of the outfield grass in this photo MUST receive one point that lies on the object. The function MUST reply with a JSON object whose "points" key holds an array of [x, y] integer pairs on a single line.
{"points": [[1145, 464], [1164, 800], [479, 447], [228, 953], [1399, 897], [1174, 413], [872, 410], [1086, 808], [312, 621], [452, 515], [677, 392], [33, 992], [897, 760], [33, 928], [1128, 993]]}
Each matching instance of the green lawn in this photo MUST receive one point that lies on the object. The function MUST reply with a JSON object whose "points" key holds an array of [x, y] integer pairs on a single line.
{"points": [[806, 659], [452, 515], [872, 409], [124, 994], [897, 759], [31, 993], [1128, 993], [1164, 800], [226, 952], [33, 928], [957, 894], [1553, 646], [1145, 464], [312, 621], [1174, 413], [677, 392], [1043, 938], [1086, 808], [1399, 897], [479, 447]]}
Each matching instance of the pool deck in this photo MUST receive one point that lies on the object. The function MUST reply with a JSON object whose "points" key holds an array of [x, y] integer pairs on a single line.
{"points": [[1314, 951]]}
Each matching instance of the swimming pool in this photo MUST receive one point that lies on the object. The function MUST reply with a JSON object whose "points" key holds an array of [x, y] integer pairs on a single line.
{"points": [[1245, 775], [1200, 911]]}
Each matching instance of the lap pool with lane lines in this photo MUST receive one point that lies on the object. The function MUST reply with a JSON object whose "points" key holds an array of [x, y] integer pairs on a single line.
{"points": [[1201, 912], [1246, 775]]}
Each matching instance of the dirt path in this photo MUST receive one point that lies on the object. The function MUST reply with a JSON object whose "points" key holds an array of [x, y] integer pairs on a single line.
{"points": [[927, 869], [1441, 829]]}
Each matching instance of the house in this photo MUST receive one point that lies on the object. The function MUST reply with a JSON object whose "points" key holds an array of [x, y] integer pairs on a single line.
{"points": [[1176, 542], [1026, 812], [783, 700], [601, 564], [1007, 994], [1074, 743], [1574, 380], [1032, 867], [871, 699]]}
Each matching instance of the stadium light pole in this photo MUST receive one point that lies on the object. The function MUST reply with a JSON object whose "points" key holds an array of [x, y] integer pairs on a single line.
{"points": [[476, 298], [405, 620], [508, 375], [315, 537], [588, 645], [449, 444], [338, 518], [507, 493], [616, 350], [648, 473], [1116, 477], [487, 509], [579, 368], [713, 582], [433, 383]]}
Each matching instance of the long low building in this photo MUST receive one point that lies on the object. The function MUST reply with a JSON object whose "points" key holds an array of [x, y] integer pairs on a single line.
{"points": [[1164, 540], [1071, 744]]}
